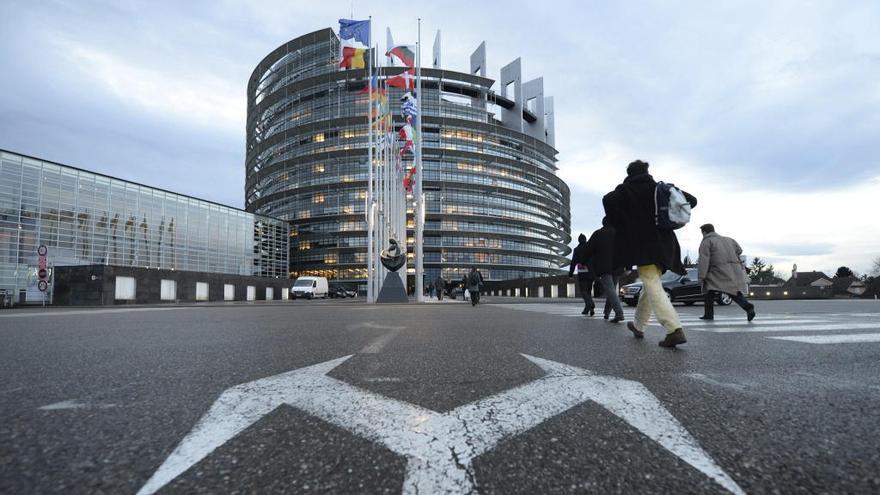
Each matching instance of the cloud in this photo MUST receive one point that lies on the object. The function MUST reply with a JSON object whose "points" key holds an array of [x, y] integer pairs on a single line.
{"points": [[193, 99], [769, 113]]}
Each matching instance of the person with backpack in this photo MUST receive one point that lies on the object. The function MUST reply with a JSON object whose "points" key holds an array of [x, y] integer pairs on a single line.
{"points": [[721, 270], [646, 214], [600, 253], [474, 282], [580, 261]]}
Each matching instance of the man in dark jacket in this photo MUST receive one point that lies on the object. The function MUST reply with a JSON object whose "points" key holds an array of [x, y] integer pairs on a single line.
{"points": [[580, 261], [440, 286], [474, 283], [600, 253], [631, 208]]}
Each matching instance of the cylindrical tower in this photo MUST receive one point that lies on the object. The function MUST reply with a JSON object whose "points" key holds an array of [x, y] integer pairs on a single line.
{"points": [[493, 197]]}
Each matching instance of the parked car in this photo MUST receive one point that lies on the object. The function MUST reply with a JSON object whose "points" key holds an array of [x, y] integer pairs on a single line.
{"points": [[454, 292], [309, 288], [339, 292], [679, 288]]}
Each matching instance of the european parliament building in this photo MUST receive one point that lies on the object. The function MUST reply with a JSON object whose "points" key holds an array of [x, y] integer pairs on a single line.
{"points": [[493, 197]]}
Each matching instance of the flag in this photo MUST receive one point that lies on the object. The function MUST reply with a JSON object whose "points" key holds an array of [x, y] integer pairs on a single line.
{"points": [[406, 80], [377, 90], [354, 58], [409, 107], [357, 31], [406, 133], [404, 53], [408, 179]]}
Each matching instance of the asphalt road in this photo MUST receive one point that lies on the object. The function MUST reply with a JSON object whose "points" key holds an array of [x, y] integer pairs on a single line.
{"points": [[507, 397]]}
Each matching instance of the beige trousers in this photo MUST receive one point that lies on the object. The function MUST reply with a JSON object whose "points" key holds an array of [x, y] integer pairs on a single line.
{"points": [[653, 298]]}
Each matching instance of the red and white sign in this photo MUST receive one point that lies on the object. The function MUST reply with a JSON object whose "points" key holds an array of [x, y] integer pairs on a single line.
{"points": [[42, 268]]}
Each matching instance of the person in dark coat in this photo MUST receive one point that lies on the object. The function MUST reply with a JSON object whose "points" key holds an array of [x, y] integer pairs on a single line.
{"points": [[474, 281], [440, 286], [631, 208], [600, 253], [580, 262]]}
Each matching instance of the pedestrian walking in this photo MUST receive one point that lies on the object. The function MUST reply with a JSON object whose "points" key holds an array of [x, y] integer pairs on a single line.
{"points": [[580, 262], [440, 287], [600, 256], [633, 210], [474, 282], [721, 270]]}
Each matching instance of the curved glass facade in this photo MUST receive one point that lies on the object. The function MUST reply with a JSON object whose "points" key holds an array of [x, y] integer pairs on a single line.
{"points": [[493, 199]]}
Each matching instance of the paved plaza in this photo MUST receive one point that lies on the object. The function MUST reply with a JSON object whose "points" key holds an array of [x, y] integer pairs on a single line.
{"points": [[511, 396]]}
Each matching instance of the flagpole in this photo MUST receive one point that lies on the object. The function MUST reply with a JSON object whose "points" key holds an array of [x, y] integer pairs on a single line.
{"points": [[419, 213], [371, 296]]}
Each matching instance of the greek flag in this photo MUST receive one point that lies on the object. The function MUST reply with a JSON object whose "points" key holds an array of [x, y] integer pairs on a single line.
{"points": [[409, 107]]}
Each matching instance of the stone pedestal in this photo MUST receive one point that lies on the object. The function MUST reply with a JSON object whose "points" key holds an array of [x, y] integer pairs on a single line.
{"points": [[393, 290]]}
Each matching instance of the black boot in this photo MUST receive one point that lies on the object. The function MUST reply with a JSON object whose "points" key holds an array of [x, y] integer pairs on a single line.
{"points": [[673, 339]]}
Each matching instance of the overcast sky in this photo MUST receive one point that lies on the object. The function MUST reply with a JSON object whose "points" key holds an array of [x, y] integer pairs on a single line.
{"points": [[768, 112]]}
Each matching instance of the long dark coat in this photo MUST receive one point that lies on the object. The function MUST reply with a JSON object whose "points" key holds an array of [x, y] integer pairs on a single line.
{"points": [[579, 256], [630, 208], [600, 251]]}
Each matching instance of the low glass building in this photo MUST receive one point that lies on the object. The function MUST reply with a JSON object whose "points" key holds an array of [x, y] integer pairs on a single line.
{"points": [[85, 218], [493, 196]]}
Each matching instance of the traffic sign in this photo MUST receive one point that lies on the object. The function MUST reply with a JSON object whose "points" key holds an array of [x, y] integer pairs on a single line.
{"points": [[42, 268]]}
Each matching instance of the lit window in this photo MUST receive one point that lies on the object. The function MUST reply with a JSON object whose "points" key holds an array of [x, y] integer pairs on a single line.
{"points": [[319, 198], [319, 137], [318, 168]]}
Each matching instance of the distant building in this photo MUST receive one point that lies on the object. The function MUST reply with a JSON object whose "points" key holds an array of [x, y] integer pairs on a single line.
{"points": [[809, 279], [112, 241]]}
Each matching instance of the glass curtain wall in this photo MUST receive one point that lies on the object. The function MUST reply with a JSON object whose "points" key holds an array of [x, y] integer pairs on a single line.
{"points": [[85, 218]]}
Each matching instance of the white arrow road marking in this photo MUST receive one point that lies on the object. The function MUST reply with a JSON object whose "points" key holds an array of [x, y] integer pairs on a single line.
{"points": [[439, 448]]}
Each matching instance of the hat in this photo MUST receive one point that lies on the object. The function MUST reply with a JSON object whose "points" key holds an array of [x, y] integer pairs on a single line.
{"points": [[582, 238], [637, 167]]}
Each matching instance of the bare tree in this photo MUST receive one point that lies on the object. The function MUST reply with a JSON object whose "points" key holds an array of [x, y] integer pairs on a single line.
{"points": [[875, 267]]}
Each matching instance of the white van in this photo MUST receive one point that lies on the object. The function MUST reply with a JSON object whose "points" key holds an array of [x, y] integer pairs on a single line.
{"points": [[309, 288]]}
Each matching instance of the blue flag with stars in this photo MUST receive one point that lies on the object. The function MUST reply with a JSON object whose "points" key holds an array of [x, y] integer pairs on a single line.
{"points": [[355, 30]]}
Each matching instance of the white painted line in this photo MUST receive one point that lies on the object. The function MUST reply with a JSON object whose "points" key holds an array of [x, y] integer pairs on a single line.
{"points": [[757, 328], [711, 381], [439, 448], [74, 404], [377, 345], [370, 324], [92, 312], [853, 338], [755, 323]]}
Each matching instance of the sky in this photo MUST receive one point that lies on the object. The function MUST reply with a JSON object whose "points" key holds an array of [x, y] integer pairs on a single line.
{"points": [[767, 112]]}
